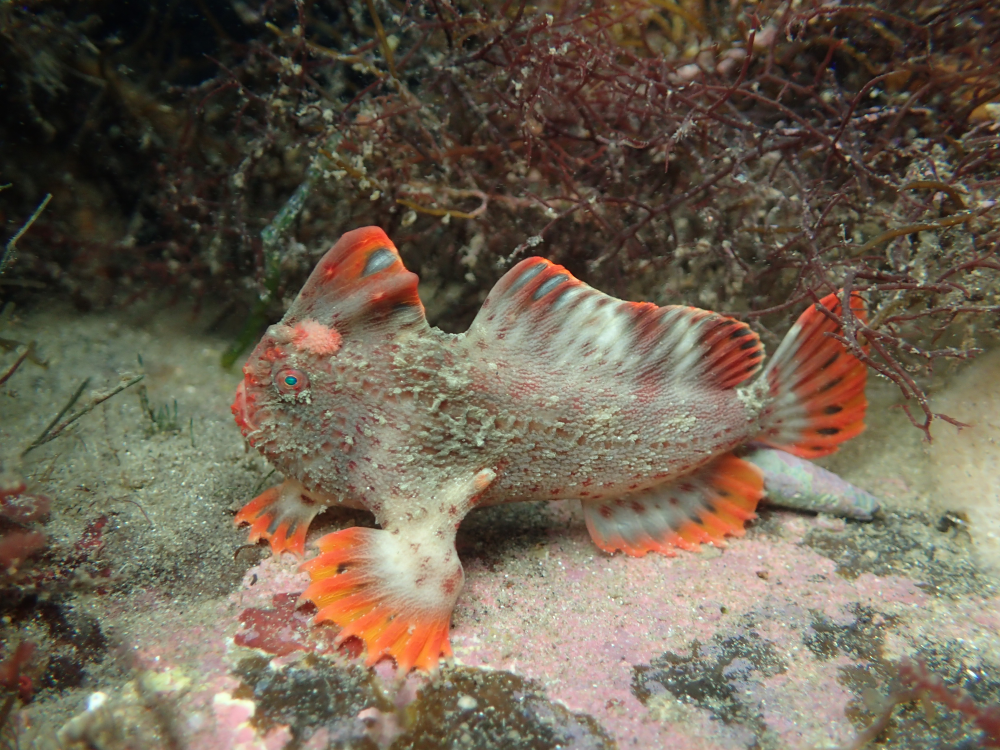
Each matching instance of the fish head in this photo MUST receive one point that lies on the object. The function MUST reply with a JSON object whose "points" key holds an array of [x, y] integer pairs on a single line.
{"points": [[294, 404], [288, 385]]}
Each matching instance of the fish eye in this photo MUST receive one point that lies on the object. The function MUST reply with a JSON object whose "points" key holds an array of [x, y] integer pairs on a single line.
{"points": [[288, 380]]}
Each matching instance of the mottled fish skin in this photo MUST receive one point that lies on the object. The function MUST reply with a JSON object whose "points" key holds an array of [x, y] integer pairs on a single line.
{"points": [[556, 391], [792, 482], [399, 413]]}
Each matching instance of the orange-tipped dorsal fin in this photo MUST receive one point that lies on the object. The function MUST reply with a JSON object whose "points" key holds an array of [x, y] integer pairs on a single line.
{"points": [[360, 284], [541, 317]]}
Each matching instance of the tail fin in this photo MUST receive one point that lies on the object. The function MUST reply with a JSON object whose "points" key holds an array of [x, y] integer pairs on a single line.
{"points": [[817, 387]]}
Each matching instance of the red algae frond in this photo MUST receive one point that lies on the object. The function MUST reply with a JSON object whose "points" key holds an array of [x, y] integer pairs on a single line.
{"points": [[916, 682], [748, 158]]}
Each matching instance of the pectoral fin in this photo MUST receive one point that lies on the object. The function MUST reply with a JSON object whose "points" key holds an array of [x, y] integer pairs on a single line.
{"points": [[282, 515], [395, 588]]}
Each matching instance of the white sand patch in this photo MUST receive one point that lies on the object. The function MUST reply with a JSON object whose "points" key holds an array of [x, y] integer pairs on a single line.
{"points": [[966, 462]]}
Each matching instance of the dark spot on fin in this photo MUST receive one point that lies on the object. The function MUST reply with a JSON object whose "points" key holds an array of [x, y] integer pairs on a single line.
{"points": [[359, 284], [378, 260], [527, 276], [832, 384], [548, 285], [820, 383]]}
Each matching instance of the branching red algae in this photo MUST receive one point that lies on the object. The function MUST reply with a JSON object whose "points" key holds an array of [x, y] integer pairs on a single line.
{"points": [[746, 158], [917, 683]]}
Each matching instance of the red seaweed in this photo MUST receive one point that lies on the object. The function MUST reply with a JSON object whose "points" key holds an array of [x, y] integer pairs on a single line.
{"points": [[18, 546], [915, 676], [745, 157], [916, 682], [19, 509], [11, 678], [285, 628]]}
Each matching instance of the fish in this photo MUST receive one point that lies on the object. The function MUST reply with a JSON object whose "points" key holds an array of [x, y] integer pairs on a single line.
{"points": [[556, 391]]}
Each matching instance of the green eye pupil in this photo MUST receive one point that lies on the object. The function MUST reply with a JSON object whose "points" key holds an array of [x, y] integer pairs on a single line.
{"points": [[291, 380]]}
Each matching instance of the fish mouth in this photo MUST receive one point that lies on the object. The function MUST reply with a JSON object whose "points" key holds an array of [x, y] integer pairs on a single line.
{"points": [[240, 412]]}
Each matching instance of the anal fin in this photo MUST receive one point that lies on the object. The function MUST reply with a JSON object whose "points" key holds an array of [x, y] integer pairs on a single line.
{"points": [[706, 506]]}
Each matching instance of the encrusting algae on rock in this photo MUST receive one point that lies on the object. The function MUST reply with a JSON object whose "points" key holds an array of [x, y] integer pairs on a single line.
{"points": [[556, 391]]}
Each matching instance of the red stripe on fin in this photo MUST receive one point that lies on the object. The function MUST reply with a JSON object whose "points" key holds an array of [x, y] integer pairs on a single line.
{"points": [[734, 352], [817, 386], [546, 320], [706, 506], [361, 283]]}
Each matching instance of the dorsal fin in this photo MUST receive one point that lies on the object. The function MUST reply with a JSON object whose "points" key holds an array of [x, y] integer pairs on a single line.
{"points": [[360, 284], [540, 310]]}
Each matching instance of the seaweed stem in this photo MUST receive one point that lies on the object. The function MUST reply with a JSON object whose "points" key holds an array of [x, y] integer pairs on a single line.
{"points": [[56, 428], [271, 240], [8, 253], [382, 38], [919, 683], [69, 405], [17, 363], [948, 221]]}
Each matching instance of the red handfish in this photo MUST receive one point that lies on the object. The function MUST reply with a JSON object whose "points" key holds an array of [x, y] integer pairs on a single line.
{"points": [[556, 391]]}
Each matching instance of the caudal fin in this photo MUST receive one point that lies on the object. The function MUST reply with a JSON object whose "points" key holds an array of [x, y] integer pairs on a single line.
{"points": [[817, 387]]}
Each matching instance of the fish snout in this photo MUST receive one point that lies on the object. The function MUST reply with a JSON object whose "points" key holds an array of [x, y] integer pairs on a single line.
{"points": [[240, 409]]}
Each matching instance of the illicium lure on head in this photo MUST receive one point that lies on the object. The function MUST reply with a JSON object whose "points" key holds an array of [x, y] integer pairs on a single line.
{"points": [[556, 391]]}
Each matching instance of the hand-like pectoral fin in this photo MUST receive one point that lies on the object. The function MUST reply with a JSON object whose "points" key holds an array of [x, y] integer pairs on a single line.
{"points": [[394, 592], [395, 588], [282, 515]]}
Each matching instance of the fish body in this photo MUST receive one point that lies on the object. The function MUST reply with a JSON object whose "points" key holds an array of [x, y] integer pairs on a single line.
{"points": [[556, 391]]}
